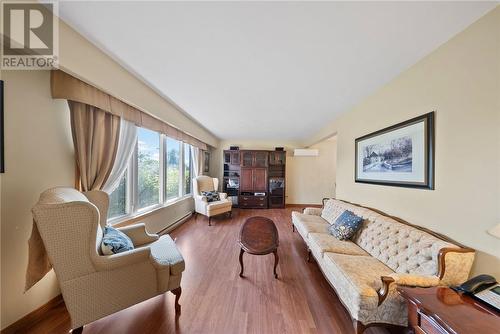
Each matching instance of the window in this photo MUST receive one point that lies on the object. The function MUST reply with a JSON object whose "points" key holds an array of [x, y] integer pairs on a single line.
{"points": [[160, 171], [148, 168], [173, 168], [187, 169], [118, 199]]}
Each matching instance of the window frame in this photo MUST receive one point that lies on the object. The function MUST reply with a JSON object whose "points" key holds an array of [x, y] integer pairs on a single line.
{"points": [[132, 182], [184, 193]]}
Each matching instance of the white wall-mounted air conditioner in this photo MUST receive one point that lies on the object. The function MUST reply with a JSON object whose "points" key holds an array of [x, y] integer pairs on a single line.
{"points": [[305, 152]]}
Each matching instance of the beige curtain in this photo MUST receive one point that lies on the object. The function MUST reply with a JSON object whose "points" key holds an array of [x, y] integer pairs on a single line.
{"points": [[95, 138], [65, 86]]}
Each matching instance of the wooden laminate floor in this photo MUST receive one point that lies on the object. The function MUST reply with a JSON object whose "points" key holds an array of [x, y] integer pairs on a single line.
{"points": [[216, 300]]}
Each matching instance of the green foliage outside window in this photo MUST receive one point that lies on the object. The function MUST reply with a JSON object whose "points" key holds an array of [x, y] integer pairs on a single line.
{"points": [[148, 180], [148, 174], [118, 200], [173, 157]]}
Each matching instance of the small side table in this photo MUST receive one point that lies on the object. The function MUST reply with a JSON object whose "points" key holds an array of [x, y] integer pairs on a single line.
{"points": [[441, 310], [259, 236]]}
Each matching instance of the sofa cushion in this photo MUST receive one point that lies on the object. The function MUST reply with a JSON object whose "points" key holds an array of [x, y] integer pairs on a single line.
{"points": [[403, 248], [357, 279], [345, 226], [331, 211], [306, 224], [219, 206], [322, 242]]}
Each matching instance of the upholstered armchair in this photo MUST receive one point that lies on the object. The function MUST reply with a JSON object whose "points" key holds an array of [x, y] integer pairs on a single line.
{"points": [[95, 285], [201, 204]]}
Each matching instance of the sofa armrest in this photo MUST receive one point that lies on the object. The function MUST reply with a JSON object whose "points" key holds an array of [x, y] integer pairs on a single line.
{"points": [[406, 280], [455, 265], [313, 211], [138, 234], [222, 196]]}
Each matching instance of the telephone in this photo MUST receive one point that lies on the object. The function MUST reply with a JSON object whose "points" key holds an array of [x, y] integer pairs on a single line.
{"points": [[484, 288]]}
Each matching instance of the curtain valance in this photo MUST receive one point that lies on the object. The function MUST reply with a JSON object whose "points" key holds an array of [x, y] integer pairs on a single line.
{"points": [[65, 86]]}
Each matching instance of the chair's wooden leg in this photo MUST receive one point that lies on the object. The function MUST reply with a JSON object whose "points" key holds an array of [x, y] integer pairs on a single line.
{"points": [[177, 292], [78, 330], [276, 259], [209, 221], [241, 262]]}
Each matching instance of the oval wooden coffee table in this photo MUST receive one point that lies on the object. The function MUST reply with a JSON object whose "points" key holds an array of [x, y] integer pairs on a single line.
{"points": [[259, 236]]}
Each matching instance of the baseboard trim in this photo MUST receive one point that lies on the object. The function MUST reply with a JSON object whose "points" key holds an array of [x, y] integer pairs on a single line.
{"points": [[23, 325], [176, 224]]}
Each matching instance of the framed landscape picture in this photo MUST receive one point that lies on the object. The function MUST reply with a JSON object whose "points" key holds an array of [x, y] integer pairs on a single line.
{"points": [[206, 161], [400, 155]]}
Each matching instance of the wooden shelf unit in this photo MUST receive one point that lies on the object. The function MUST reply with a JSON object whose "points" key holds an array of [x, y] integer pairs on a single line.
{"points": [[259, 176]]}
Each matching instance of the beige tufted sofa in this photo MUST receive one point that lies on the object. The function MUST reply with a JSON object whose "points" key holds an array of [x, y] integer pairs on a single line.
{"points": [[95, 285], [383, 254]]}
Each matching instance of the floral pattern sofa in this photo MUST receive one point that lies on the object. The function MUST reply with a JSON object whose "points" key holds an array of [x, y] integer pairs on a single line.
{"points": [[383, 254]]}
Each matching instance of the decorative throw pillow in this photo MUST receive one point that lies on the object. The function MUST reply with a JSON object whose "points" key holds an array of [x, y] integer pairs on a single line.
{"points": [[345, 226], [211, 196], [115, 241]]}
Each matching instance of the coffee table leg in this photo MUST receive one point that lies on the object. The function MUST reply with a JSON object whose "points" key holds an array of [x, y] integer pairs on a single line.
{"points": [[276, 259], [241, 262]]}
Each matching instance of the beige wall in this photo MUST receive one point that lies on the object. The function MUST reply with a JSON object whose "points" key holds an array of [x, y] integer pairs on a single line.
{"points": [[39, 155], [308, 179], [460, 80]]}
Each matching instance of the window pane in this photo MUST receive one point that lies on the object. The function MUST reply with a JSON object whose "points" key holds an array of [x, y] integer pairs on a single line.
{"points": [[148, 168], [118, 199], [187, 168], [173, 156]]}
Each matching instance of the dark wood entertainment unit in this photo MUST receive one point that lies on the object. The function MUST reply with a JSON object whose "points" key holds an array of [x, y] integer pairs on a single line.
{"points": [[255, 178]]}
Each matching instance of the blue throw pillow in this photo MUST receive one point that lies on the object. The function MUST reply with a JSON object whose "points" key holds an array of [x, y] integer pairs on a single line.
{"points": [[211, 196], [346, 225], [115, 241]]}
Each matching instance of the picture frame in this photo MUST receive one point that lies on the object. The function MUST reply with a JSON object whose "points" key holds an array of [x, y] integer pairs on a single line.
{"points": [[400, 155], [2, 133], [206, 161]]}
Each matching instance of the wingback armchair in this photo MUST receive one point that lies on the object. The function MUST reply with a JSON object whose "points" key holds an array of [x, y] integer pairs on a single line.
{"points": [[201, 204], [94, 285]]}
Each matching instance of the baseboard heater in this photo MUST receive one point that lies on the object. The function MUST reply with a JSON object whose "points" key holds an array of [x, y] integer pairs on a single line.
{"points": [[175, 224]]}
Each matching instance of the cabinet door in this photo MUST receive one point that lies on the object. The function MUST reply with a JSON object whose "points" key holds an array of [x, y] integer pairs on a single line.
{"points": [[227, 157], [235, 158], [260, 159], [277, 158], [260, 179], [246, 159], [246, 179]]}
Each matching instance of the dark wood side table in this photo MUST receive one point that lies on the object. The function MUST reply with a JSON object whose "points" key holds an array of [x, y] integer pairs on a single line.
{"points": [[441, 310], [259, 236]]}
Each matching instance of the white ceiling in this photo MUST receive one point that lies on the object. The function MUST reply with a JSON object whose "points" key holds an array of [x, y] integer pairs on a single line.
{"points": [[268, 70]]}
